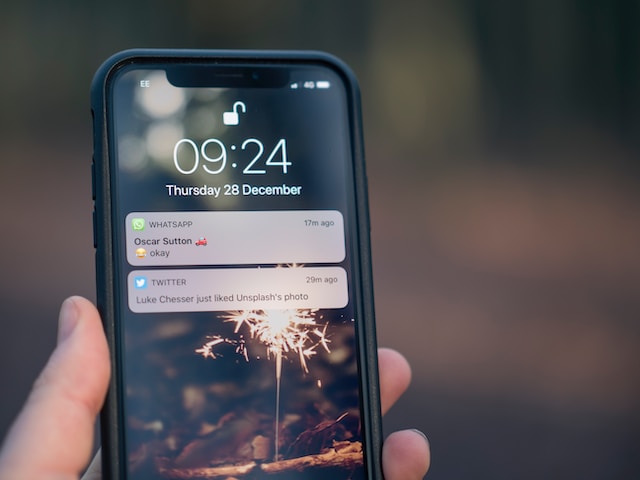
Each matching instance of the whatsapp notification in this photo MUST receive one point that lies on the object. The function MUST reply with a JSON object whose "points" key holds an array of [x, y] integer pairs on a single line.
{"points": [[234, 238]]}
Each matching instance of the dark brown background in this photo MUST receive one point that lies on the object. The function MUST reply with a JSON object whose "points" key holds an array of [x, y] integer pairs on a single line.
{"points": [[503, 142]]}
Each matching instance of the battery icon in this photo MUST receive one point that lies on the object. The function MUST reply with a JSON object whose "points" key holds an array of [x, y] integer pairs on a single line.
{"points": [[322, 84]]}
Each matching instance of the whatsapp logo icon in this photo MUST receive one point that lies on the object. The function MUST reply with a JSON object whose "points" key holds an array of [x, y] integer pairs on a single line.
{"points": [[137, 224]]}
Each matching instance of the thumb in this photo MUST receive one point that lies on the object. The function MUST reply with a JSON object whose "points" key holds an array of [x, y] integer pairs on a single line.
{"points": [[52, 437]]}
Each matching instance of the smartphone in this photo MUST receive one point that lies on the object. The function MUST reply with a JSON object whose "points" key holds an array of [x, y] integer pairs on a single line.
{"points": [[233, 267]]}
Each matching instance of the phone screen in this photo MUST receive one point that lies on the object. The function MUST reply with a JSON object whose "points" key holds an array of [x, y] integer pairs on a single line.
{"points": [[236, 272]]}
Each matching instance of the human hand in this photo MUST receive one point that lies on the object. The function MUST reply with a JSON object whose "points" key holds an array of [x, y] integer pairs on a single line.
{"points": [[405, 454], [52, 437]]}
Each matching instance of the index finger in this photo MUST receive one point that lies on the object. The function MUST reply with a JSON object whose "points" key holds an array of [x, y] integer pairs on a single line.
{"points": [[395, 376]]}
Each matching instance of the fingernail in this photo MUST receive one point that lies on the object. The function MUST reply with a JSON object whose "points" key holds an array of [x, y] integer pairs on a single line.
{"points": [[67, 320], [419, 432]]}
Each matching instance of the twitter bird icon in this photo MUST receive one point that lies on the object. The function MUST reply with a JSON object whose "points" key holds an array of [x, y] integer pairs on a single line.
{"points": [[140, 282]]}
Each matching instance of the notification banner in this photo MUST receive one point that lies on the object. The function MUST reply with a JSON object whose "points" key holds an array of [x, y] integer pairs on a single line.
{"points": [[199, 290], [234, 238]]}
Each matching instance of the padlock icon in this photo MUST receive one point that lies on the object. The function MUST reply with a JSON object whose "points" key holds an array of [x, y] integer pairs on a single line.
{"points": [[233, 117]]}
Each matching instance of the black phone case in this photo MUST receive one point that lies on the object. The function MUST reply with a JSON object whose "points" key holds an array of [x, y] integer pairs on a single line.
{"points": [[113, 462]]}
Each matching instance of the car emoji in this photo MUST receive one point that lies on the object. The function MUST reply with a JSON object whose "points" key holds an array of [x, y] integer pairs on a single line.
{"points": [[201, 242]]}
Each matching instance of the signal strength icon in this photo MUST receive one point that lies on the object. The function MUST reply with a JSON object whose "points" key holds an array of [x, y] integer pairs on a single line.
{"points": [[294, 86]]}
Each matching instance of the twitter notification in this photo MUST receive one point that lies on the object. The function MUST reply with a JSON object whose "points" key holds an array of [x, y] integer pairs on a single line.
{"points": [[198, 290]]}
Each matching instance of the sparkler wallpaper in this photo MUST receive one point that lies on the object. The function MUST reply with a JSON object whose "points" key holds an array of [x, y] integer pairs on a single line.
{"points": [[226, 394], [246, 379]]}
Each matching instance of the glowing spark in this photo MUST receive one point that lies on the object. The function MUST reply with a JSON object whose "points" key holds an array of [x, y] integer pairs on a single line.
{"points": [[207, 349], [282, 332]]}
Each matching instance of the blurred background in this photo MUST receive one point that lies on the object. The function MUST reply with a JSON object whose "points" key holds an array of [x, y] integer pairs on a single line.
{"points": [[503, 141]]}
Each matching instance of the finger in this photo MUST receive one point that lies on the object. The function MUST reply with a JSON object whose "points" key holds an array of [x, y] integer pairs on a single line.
{"points": [[395, 376], [53, 435], [405, 455]]}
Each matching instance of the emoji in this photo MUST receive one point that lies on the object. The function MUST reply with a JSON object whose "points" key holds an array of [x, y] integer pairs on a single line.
{"points": [[141, 253]]}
